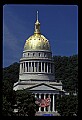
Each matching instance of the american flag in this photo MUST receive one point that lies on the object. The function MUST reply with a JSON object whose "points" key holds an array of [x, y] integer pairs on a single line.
{"points": [[43, 102]]}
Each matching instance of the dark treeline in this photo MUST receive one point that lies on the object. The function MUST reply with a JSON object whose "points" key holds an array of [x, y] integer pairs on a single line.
{"points": [[66, 70]]}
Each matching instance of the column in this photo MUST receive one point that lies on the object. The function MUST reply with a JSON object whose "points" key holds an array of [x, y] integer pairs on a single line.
{"points": [[50, 68], [38, 67], [40, 98], [44, 98], [44, 66], [53, 104], [28, 66], [47, 67], [22, 68], [50, 104], [41, 66], [34, 67], [31, 67], [35, 95]]}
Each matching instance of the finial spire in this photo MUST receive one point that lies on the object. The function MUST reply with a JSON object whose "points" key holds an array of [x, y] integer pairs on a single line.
{"points": [[37, 15], [37, 25]]}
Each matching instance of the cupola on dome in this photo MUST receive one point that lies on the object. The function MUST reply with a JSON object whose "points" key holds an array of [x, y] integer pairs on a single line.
{"points": [[37, 41]]}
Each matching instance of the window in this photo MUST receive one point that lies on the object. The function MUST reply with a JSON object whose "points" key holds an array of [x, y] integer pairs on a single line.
{"points": [[44, 54], [39, 54], [33, 54], [39, 66], [46, 67], [36, 66], [42, 66], [49, 67], [24, 66], [27, 66], [32, 66]]}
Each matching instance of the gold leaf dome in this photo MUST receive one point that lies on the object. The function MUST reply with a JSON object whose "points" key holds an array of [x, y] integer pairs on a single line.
{"points": [[37, 41]]}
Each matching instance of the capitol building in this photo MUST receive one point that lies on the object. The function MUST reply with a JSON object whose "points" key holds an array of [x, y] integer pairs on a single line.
{"points": [[37, 70]]}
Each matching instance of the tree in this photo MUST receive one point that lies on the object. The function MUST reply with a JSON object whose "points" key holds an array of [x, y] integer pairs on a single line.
{"points": [[7, 109], [67, 105], [8, 96], [26, 103], [66, 70]]}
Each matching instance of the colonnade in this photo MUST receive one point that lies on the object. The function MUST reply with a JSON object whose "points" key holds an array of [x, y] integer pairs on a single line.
{"points": [[51, 107], [36, 67]]}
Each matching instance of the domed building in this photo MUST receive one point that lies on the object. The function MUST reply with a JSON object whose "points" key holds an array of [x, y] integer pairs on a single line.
{"points": [[37, 71]]}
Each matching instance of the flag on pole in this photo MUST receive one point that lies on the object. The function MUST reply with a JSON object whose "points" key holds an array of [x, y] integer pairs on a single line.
{"points": [[43, 102]]}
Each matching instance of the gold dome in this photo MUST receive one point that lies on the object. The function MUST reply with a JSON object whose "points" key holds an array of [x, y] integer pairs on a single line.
{"points": [[37, 41]]}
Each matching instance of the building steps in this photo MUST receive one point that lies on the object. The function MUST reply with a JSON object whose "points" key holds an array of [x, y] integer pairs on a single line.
{"points": [[51, 113]]}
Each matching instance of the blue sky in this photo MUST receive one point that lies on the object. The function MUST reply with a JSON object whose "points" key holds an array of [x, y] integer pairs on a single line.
{"points": [[59, 24]]}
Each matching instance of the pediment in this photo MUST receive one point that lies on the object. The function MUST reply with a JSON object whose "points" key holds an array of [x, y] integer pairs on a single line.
{"points": [[42, 87]]}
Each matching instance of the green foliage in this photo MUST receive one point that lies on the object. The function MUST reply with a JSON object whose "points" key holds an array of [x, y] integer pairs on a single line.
{"points": [[11, 73], [67, 105], [66, 69], [26, 103], [6, 107]]}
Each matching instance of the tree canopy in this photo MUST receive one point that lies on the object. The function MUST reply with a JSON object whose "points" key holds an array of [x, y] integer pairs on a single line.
{"points": [[67, 105], [66, 70], [25, 102]]}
